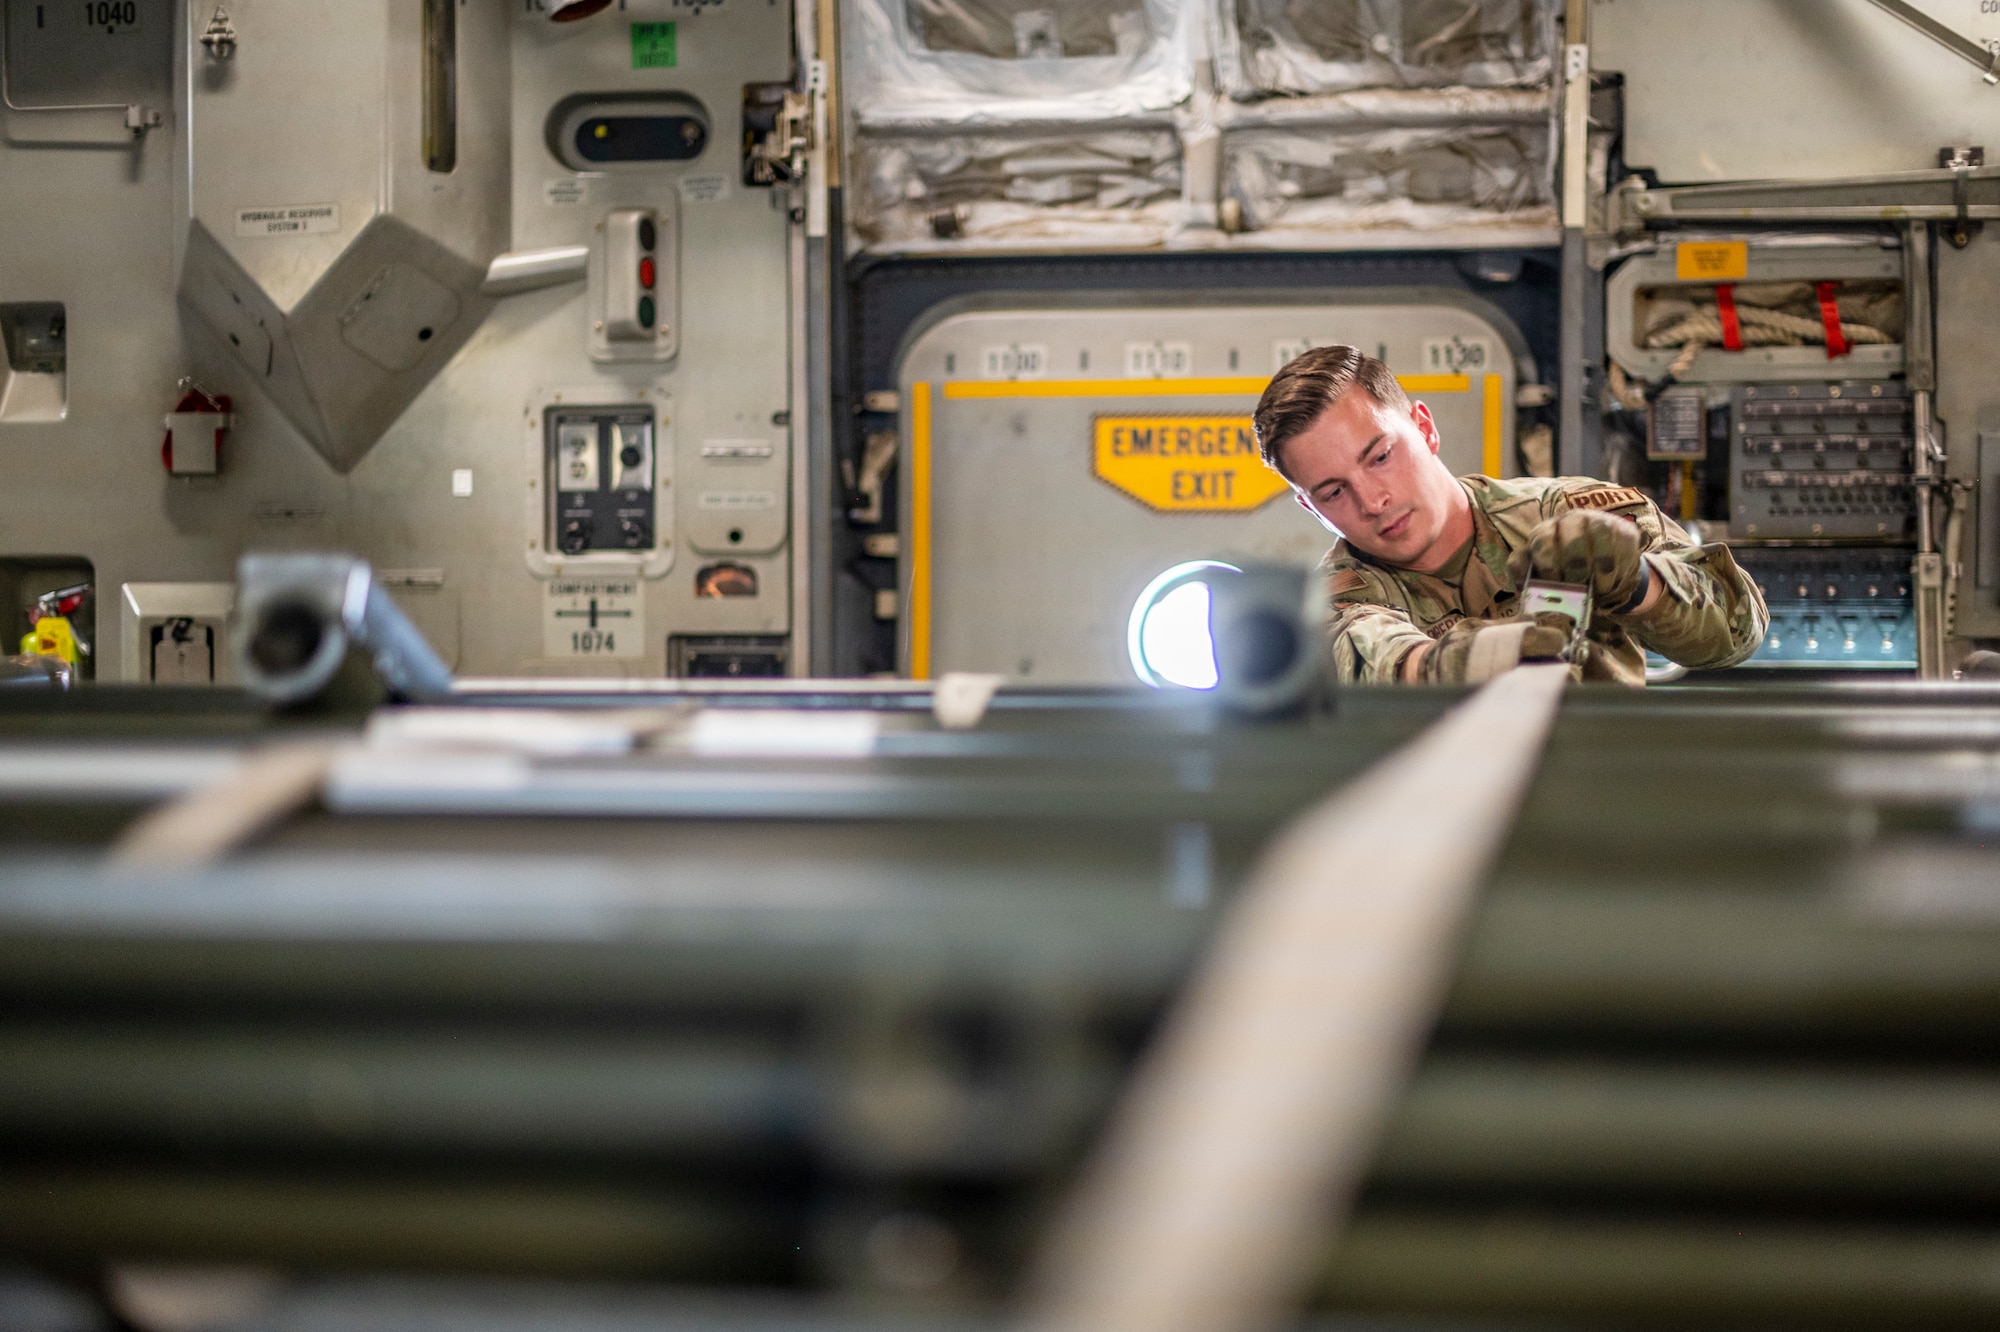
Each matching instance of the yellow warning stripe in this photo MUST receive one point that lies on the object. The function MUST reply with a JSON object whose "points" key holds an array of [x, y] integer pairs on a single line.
{"points": [[959, 390], [920, 530], [1494, 417]]}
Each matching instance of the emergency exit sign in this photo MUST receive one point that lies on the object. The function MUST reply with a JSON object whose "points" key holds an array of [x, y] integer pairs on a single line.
{"points": [[1184, 464]]}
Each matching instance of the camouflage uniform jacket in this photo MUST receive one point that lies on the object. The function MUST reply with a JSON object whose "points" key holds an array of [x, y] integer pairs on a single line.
{"points": [[1709, 614]]}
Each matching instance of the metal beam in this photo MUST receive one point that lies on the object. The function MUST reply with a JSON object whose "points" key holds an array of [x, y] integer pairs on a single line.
{"points": [[1987, 61], [1903, 196]]}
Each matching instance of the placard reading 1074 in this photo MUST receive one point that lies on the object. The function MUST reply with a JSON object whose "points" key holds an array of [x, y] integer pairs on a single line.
{"points": [[593, 617], [1456, 356]]}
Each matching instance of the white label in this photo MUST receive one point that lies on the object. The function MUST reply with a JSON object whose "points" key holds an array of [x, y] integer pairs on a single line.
{"points": [[461, 482], [288, 220], [1014, 361], [565, 191], [704, 189], [757, 733], [1158, 360], [592, 617], [738, 499], [189, 660], [735, 448], [1456, 356], [1286, 350]]}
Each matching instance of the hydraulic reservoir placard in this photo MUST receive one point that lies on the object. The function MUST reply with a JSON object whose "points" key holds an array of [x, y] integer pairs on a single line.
{"points": [[600, 472]]}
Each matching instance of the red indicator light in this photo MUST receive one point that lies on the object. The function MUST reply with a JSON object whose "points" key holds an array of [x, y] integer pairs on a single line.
{"points": [[646, 274]]}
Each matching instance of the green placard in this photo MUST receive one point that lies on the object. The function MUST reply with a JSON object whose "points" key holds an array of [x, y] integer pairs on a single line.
{"points": [[652, 46]]}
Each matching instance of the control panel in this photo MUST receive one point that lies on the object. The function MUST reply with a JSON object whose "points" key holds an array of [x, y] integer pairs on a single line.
{"points": [[601, 478], [1821, 460], [634, 288], [1832, 607]]}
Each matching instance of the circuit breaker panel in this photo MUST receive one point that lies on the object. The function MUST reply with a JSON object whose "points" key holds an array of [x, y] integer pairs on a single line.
{"points": [[1821, 460]]}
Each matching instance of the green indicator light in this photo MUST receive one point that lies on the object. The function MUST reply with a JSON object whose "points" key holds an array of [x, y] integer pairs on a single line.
{"points": [[653, 46], [645, 312]]}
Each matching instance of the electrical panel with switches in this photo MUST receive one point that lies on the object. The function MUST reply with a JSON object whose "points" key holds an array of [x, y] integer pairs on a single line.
{"points": [[600, 479]]}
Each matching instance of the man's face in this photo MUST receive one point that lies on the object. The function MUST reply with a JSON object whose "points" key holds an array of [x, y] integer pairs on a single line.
{"points": [[1371, 474]]}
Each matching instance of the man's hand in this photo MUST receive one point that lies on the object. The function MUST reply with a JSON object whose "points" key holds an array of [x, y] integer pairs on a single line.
{"points": [[1456, 657], [1586, 546]]}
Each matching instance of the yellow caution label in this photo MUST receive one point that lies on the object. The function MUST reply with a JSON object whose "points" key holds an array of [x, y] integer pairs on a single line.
{"points": [[51, 637], [1184, 464], [1711, 261]]}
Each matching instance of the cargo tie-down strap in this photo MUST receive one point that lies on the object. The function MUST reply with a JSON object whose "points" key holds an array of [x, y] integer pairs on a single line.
{"points": [[215, 819], [1732, 326], [1249, 1126], [1829, 318]]}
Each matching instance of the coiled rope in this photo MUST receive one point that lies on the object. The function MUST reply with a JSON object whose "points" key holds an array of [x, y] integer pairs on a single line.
{"points": [[1759, 328]]}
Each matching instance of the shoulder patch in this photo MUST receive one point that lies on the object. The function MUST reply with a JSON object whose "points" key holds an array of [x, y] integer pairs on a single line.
{"points": [[1347, 581], [1608, 497]]}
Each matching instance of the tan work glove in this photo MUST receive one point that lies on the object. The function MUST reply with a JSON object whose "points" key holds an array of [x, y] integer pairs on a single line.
{"points": [[1598, 550], [1474, 651]]}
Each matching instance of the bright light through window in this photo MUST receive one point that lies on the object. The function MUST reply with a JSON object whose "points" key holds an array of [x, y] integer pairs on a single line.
{"points": [[1176, 641], [1168, 637]]}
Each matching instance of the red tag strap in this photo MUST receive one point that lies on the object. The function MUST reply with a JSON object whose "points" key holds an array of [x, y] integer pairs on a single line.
{"points": [[1725, 305], [1829, 318], [197, 400]]}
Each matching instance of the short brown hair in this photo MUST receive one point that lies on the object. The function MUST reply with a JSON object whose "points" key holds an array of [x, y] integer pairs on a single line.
{"points": [[1312, 382]]}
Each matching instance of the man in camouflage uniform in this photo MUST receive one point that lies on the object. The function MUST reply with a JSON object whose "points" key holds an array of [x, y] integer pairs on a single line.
{"points": [[1424, 581]]}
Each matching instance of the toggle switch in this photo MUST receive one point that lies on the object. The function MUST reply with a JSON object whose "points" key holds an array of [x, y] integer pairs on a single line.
{"points": [[632, 452], [633, 294], [630, 273]]}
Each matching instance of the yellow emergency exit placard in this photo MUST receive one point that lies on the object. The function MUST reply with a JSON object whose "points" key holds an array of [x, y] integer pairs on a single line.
{"points": [[1184, 464], [1711, 261]]}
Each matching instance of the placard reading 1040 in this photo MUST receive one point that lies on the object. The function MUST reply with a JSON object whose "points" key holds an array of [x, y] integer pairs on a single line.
{"points": [[111, 14], [592, 617], [1456, 356]]}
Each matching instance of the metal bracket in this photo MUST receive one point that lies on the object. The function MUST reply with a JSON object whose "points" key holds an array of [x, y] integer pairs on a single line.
{"points": [[1987, 60], [1931, 195], [1961, 228], [775, 143]]}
